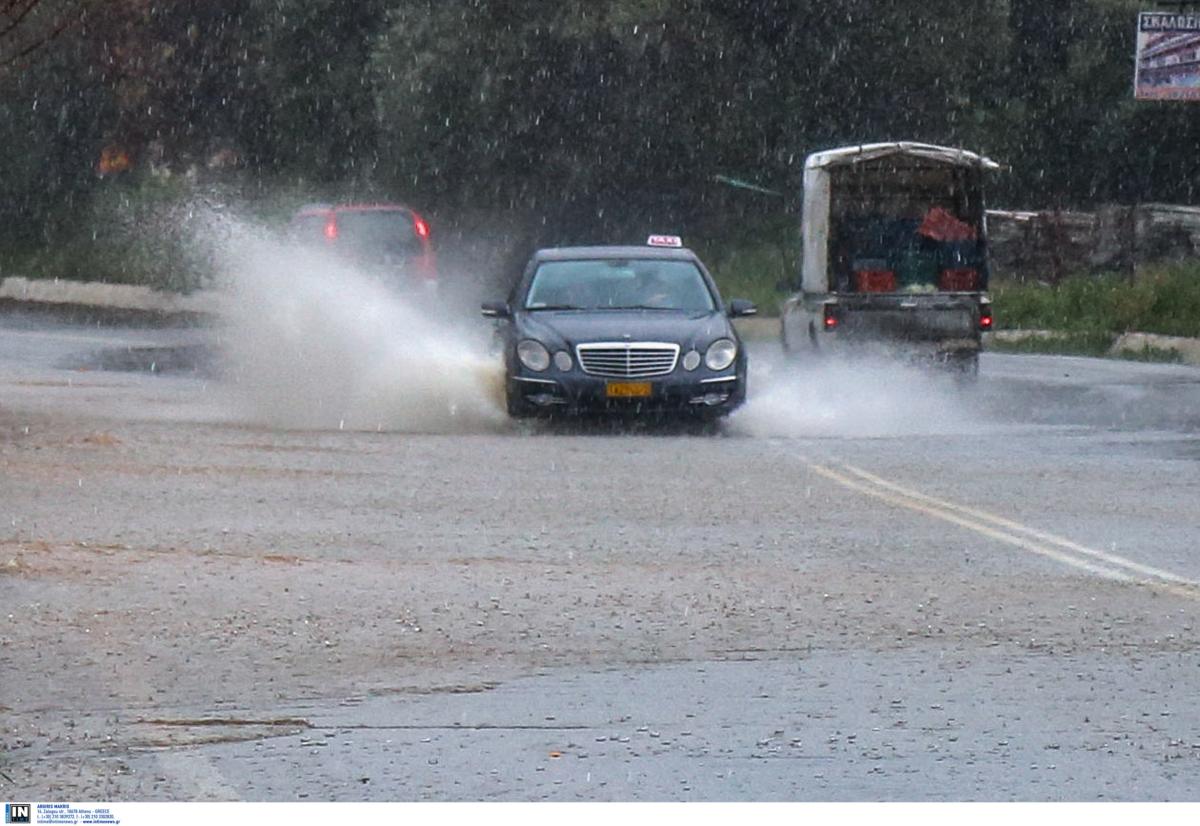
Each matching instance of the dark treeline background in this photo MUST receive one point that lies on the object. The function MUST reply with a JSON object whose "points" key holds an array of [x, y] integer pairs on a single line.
{"points": [[581, 115]]}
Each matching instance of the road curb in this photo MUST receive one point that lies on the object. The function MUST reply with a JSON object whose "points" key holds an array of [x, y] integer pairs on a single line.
{"points": [[1133, 343], [1188, 349], [99, 294], [96, 302]]}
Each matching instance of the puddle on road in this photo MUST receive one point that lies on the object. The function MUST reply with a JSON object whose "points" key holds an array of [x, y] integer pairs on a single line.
{"points": [[196, 360]]}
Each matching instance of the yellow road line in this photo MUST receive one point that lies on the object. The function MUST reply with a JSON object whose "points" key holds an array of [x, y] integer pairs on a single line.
{"points": [[1111, 558], [1009, 532]]}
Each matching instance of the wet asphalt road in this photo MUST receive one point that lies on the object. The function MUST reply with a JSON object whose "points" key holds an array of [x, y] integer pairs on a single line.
{"points": [[870, 585]]}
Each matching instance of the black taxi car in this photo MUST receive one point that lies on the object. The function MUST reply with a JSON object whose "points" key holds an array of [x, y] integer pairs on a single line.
{"points": [[620, 329]]}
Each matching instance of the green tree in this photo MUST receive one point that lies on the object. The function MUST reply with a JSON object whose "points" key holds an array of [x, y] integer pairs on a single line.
{"points": [[27, 27], [320, 121], [596, 101]]}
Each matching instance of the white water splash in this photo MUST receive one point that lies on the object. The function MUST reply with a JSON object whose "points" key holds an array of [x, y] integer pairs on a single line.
{"points": [[859, 398], [308, 342]]}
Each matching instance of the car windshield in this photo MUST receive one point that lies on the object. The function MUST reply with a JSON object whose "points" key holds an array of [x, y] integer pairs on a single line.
{"points": [[610, 284]]}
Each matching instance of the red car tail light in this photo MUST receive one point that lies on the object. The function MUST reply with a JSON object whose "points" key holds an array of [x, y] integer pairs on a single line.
{"points": [[331, 229], [831, 317], [420, 226]]}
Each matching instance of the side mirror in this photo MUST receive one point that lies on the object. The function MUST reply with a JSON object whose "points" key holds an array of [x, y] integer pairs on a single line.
{"points": [[495, 309], [740, 307]]}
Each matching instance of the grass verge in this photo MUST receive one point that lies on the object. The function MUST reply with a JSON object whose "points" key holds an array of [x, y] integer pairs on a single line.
{"points": [[1158, 355], [1164, 299], [760, 272], [1059, 344], [1089, 343]]}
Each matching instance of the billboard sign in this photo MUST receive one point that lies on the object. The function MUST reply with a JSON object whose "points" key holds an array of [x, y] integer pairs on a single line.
{"points": [[1168, 56]]}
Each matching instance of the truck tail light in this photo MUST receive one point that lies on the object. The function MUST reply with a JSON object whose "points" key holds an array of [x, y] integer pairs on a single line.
{"points": [[985, 317], [831, 317]]}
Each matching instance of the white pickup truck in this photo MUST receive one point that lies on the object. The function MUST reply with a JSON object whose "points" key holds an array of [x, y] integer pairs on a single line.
{"points": [[894, 254]]}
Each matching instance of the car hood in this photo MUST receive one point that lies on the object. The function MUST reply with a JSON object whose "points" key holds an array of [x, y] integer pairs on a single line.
{"points": [[581, 326]]}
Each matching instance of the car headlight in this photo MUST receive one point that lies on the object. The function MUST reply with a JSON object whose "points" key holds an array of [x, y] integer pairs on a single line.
{"points": [[691, 360], [562, 360], [533, 355], [721, 354]]}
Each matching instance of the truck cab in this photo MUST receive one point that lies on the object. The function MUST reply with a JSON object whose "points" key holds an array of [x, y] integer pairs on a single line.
{"points": [[895, 254]]}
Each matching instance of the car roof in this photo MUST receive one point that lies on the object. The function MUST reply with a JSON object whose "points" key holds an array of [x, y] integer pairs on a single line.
{"points": [[591, 253], [308, 209]]}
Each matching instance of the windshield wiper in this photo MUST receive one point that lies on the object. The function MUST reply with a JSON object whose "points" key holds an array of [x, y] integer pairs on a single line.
{"points": [[555, 307]]}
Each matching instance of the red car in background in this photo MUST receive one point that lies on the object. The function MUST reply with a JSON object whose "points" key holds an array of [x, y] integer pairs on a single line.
{"points": [[386, 241]]}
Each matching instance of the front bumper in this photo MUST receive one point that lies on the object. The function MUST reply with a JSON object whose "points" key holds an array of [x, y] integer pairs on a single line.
{"points": [[701, 393]]}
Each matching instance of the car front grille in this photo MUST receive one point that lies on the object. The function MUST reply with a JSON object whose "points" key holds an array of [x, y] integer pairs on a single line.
{"points": [[620, 360]]}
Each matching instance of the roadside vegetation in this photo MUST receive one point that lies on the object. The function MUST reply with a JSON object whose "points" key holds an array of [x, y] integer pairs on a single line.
{"points": [[156, 230], [1085, 314], [140, 235], [762, 271], [590, 120]]}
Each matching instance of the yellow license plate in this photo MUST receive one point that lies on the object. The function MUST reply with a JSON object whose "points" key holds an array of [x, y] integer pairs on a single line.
{"points": [[628, 389]]}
